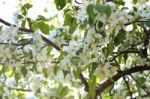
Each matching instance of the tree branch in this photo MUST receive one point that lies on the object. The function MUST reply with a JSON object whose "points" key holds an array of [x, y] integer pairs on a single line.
{"points": [[134, 22], [84, 82], [119, 75], [124, 52], [29, 30], [18, 89]]}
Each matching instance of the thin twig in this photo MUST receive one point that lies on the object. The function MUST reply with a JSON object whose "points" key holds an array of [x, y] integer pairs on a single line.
{"points": [[128, 86], [19, 89], [146, 91], [77, 2], [84, 82]]}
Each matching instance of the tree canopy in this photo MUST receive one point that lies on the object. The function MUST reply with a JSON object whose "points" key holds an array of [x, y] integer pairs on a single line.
{"points": [[89, 49]]}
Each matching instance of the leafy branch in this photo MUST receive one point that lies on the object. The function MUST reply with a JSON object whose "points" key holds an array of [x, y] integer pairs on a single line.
{"points": [[29, 30]]}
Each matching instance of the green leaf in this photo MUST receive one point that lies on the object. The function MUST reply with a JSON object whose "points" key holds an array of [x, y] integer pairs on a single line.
{"points": [[141, 81], [135, 1], [77, 72], [92, 86], [59, 88], [23, 23], [24, 71], [119, 2], [1, 88], [93, 68], [68, 20], [56, 68], [148, 23], [119, 38], [23, 11], [44, 28], [107, 10], [28, 5], [19, 16], [85, 23], [64, 91], [49, 49], [17, 77], [110, 47], [51, 27], [60, 4], [75, 60], [65, 72], [34, 68], [91, 21], [42, 18], [45, 72], [72, 29], [104, 9], [90, 11], [34, 26]]}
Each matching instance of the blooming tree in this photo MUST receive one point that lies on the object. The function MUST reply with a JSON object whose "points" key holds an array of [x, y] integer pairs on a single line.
{"points": [[91, 49]]}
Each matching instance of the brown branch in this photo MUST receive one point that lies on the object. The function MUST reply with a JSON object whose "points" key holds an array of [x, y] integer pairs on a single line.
{"points": [[18, 89], [119, 75], [123, 52], [29, 30], [146, 95], [78, 2], [51, 43], [134, 22], [84, 82]]}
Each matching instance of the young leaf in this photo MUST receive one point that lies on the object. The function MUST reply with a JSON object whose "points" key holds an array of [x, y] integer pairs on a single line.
{"points": [[72, 29], [42, 18], [24, 71], [90, 11], [60, 4], [107, 10], [68, 20], [44, 28], [34, 26], [64, 91], [28, 5], [75, 60], [19, 16], [23, 11]]}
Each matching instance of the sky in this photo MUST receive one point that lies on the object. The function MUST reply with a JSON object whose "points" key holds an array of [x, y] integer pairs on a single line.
{"points": [[9, 8]]}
